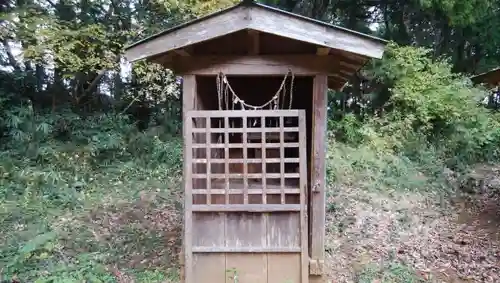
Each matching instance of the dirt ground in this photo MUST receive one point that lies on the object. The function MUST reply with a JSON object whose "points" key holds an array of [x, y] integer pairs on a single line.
{"points": [[372, 237]]}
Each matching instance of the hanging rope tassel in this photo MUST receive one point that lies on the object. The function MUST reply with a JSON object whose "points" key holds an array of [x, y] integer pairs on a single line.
{"points": [[223, 89], [275, 103]]}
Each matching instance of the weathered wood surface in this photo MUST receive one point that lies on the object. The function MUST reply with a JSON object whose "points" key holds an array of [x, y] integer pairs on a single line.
{"points": [[245, 113], [188, 104], [245, 207], [236, 221], [194, 33], [263, 65], [303, 197], [295, 28], [254, 42], [274, 238], [259, 19], [318, 170]]}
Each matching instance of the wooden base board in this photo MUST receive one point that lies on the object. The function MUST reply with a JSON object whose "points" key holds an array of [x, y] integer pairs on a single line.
{"points": [[317, 279]]}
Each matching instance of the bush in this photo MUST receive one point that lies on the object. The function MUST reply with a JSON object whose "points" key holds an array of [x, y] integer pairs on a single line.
{"points": [[426, 109], [368, 168], [56, 169]]}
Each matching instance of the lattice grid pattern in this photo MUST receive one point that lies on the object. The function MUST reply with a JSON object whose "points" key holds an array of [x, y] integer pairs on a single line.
{"points": [[252, 159]]}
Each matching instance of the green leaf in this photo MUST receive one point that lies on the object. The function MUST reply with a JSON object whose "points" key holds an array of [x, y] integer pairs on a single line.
{"points": [[37, 242]]}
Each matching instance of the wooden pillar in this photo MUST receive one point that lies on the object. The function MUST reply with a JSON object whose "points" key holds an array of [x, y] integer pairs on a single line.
{"points": [[317, 195], [188, 103]]}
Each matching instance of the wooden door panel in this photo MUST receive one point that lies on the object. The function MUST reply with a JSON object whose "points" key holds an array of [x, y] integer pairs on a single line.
{"points": [[249, 222], [209, 267]]}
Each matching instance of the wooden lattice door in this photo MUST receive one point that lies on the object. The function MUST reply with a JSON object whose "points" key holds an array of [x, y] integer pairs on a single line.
{"points": [[245, 197]]}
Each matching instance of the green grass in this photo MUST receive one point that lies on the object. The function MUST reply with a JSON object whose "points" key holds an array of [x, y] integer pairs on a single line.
{"points": [[384, 170], [73, 219], [388, 273]]}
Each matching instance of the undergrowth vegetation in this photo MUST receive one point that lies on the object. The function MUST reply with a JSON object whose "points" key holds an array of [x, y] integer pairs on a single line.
{"points": [[429, 118], [85, 199]]}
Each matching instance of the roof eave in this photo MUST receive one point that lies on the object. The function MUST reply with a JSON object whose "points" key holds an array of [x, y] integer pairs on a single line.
{"points": [[370, 38], [364, 35], [480, 77], [185, 24]]}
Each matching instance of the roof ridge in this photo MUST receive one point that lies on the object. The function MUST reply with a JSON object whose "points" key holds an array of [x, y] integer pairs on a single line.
{"points": [[250, 4]]}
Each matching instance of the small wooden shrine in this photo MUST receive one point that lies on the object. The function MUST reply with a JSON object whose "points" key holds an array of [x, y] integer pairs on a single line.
{"points": [[255, 83], [490, 79]]}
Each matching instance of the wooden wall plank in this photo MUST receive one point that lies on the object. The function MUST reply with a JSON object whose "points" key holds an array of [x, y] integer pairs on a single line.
{"points": [[209, 268], [245, 113], [246, 250], [208, 229], [281, 268], [254, 42], [250, 268], [259, 65], [189, 94], [318, 170], [283, 229], [304, 231], [245, 230]]}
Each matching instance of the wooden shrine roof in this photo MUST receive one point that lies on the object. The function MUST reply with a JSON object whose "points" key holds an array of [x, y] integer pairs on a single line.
{"points": [[490, 78], [254, 29]]}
